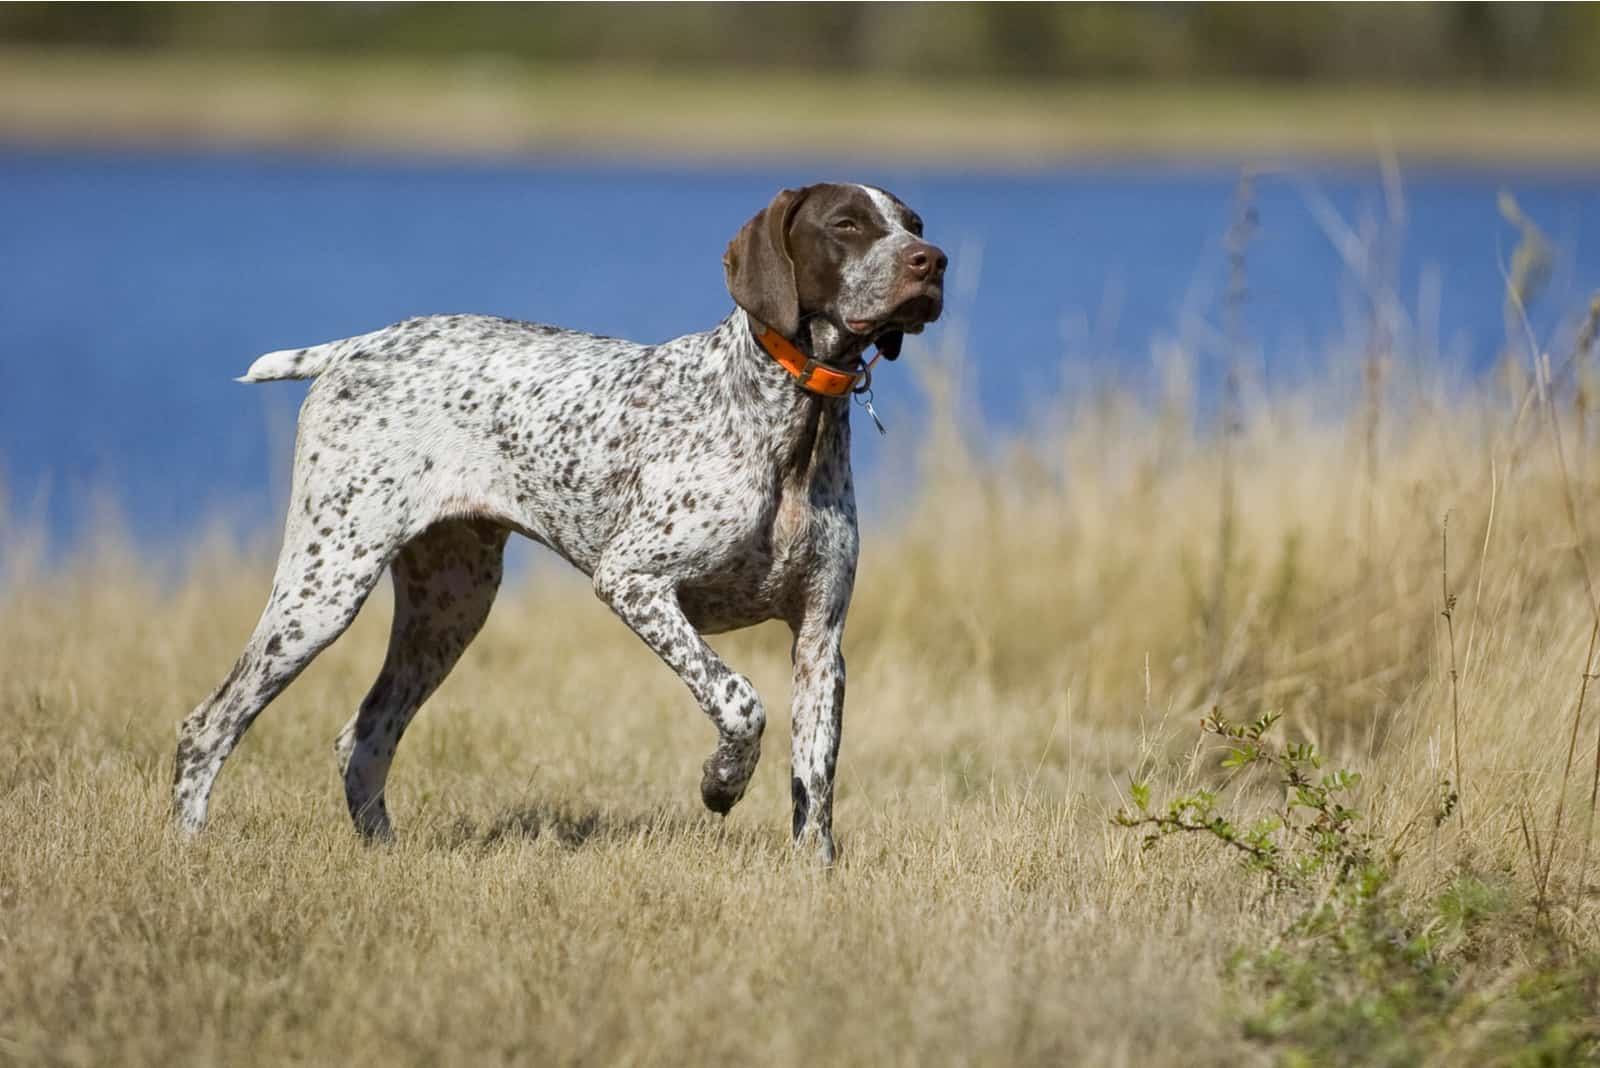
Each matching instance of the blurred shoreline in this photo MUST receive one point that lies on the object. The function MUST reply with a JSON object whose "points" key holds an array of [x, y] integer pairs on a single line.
{"points": [[487, 106]]}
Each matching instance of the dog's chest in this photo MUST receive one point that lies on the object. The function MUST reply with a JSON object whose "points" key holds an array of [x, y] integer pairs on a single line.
{"points": [[755, 577], [786, 542]]}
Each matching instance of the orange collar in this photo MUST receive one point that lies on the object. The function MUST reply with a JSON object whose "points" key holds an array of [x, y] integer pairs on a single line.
{"points": [[811, 374]]}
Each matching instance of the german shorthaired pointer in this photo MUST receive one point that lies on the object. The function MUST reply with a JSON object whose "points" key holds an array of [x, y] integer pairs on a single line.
{"points": [[704, 484]]}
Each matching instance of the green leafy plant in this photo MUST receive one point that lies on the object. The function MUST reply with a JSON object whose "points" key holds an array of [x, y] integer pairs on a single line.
{"points": [[1315, 830], [1360, 974]]}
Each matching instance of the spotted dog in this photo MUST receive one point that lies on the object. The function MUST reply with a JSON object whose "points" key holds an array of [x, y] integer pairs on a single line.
{"points": [[703, 484]]}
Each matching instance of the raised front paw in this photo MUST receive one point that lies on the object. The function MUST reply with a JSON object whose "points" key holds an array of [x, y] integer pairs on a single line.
{"points": [[725, 775]]}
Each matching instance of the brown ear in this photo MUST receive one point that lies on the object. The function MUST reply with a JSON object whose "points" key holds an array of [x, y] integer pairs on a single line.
{"points": [[760, 272]]}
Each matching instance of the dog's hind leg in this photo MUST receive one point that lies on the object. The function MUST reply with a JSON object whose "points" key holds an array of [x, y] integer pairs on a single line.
{"points": [[445, 581], [316, 592]]}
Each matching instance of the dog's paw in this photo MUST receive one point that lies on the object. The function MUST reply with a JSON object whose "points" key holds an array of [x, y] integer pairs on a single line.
{"points": [[724, 777]]}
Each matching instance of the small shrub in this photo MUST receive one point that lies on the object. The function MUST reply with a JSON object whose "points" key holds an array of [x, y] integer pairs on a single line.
{"points": [[1314, 832], [1361, 974]]}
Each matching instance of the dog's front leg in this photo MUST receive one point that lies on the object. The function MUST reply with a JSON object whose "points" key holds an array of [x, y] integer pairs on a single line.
{"points": [[818, 714], [648, 604]]}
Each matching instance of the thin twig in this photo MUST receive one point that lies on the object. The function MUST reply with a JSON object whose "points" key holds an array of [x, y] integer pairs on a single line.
{"points": [[1173, 823], [1572, 750], [1238, 239], [1455, 694], [1530, 839], [1594, 786], [1483, 564]]}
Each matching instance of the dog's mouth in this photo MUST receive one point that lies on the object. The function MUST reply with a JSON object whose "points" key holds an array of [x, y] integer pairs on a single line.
{"points": [[909, 316]]}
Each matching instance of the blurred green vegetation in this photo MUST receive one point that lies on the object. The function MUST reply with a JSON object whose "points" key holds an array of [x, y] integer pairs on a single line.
{"points": [[1521, 44]]}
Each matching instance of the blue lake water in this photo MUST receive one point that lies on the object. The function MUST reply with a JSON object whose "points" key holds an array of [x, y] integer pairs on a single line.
{"points": [[133, 287]]}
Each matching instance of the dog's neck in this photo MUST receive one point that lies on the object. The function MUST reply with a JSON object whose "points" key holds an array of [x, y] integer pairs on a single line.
{"points": [[802, 427]]}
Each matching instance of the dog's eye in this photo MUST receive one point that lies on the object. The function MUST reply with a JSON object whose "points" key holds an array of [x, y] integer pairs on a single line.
{"points": [[848, 226], [914, 224]]}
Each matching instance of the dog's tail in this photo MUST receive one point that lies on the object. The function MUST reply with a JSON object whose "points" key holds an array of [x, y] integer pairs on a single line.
{"points": [[292, 363], [311, 362]]}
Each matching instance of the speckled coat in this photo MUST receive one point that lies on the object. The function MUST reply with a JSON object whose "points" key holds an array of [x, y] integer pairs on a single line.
{"points": [[697, 484]]}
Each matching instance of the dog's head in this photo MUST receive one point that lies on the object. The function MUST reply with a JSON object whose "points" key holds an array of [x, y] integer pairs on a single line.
{"points": [[850, 254]]}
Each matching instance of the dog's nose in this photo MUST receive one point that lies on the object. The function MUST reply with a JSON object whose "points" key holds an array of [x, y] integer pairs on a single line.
{"points": [[925, 261]]}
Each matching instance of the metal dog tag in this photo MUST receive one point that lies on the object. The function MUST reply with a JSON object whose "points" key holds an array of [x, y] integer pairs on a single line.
{"points": [[865, 400]]}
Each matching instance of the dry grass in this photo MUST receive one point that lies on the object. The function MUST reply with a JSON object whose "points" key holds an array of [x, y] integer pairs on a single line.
{"points": [[481, 105], [1038, 628]]}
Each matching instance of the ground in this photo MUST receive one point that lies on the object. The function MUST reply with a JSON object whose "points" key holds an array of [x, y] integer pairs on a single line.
{"points": [[1041, 628]]}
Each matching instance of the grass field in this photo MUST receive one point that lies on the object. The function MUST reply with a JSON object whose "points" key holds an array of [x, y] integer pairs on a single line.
{"points": [[487, 106], [1040, 630]]}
